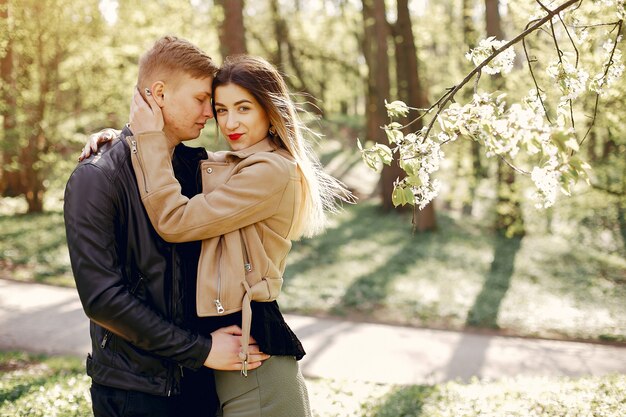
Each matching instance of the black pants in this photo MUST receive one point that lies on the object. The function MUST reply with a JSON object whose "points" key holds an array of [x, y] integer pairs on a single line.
{"points": [[198, 399], [115, 402]]}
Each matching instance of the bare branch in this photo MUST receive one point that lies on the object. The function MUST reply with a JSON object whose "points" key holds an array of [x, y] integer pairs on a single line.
{"points": [[532, 74], [618, 25]]}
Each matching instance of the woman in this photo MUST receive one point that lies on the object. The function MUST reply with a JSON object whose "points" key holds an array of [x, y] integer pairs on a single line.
{"points": [[268, 190]]}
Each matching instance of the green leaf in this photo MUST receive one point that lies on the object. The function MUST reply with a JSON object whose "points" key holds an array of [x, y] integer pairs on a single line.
{"points": [[394, 136], [384, 153], [414, 180], [409, 197]]}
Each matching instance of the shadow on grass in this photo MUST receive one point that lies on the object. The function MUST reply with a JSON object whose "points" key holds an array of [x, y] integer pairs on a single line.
{"points": [[406, 402], [34, 241], [484, 312], [358, 227], [372, 289]]}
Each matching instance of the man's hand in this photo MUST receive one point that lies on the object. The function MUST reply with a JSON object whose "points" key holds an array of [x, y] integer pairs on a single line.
{"points": [[224, 355]]}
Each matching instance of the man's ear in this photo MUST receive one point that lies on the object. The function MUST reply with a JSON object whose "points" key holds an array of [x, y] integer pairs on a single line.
{"points": [[158, 92]]}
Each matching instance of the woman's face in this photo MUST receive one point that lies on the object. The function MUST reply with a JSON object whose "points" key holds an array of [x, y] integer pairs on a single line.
{"points": [[242, 120]]}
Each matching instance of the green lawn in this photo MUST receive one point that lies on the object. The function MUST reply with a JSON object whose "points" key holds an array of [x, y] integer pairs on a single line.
{"points": [[34, 385], [369, 266]]}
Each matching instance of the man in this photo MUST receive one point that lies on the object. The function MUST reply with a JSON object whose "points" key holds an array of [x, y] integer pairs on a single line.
{"points": [[136, 288]]}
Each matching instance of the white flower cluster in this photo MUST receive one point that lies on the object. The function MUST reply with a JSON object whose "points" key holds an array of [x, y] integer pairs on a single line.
{"points": [[613, 68], [571, 80], [521, 127], [618, 5], [419, 157], [503, 63]]}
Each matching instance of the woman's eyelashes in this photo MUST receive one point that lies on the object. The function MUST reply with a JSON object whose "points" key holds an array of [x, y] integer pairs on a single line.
{"points": [[240, 109]]}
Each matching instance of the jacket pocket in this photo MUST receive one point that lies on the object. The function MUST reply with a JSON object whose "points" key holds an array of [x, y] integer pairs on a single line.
{"points": [[108, 334]]}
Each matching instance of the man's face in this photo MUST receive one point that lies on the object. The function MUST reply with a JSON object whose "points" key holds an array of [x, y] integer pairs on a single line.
{"points": [[186, 106]]}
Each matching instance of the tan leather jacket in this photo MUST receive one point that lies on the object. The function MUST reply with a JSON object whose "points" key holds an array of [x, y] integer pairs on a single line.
{"points": [[244, 216]]}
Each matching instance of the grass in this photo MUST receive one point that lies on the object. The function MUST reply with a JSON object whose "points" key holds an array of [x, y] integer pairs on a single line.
{"points": [[369, 266], [33, 248], [34, 385], [38, 386]]}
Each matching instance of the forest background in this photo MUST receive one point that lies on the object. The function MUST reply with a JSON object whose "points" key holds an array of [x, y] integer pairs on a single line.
{"points": [[482, 257]]}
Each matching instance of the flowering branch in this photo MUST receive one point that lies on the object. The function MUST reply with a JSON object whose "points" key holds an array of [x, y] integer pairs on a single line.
{"points": [[504, 130], [540, 22]]}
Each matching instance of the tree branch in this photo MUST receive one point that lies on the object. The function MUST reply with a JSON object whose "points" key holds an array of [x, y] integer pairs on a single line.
{"points": [[446, 98]]}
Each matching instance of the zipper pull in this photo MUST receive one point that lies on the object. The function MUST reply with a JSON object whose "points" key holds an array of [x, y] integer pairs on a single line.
{"points": [[105, 339], [218, 306]]}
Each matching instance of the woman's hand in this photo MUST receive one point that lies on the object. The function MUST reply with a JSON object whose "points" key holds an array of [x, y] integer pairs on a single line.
{"points": [[94, 141], [145, 116], [225, 348]]}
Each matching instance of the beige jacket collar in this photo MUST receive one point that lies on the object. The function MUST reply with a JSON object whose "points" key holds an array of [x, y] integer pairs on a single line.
{"points": [[265, 145]]}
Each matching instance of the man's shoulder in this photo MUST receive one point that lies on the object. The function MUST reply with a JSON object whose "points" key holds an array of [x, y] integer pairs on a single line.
{"points": [[112, 158]]}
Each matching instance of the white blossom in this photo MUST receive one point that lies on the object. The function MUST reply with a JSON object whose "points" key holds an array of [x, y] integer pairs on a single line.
{"points": [[571, 80], [503, 63], [547, 182]]}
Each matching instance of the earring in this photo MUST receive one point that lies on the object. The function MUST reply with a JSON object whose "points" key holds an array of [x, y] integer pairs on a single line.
{"points": [[272, 131]]}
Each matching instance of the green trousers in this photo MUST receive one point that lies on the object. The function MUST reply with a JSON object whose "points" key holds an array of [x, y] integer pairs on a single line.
{"points": [[275, 389]]}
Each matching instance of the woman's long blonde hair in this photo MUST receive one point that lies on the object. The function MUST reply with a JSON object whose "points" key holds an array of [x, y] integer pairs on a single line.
{"points": [[322, 192]]}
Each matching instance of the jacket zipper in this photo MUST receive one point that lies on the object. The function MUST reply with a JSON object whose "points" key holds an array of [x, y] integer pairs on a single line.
{"points": [[136, 152], [218, 304], [109, 333], [246, 260], [175, 289]]}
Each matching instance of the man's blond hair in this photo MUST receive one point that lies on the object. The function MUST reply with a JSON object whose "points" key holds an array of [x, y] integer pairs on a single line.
{"points": [[170, 56]]}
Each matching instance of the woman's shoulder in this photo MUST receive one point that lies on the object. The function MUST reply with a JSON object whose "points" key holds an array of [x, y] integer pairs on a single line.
{"points": [[279, 159]]}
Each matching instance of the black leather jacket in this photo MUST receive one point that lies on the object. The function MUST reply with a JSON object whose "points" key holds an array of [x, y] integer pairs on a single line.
{"points": [[131, 282]]}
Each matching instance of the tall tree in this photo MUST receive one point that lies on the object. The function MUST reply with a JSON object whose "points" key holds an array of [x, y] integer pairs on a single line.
{"points": [[9, 176], [232, 31], [509, 218], [44, 93], [375, 37], [287, 56], [470, 39], [410, 91]]}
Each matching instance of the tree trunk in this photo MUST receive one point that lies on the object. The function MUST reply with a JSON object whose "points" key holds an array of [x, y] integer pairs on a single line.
{"points": [[470, 38], [376, 34], [10, 185], [287, 55], [232, 31], [411, 92], [509, 220]]}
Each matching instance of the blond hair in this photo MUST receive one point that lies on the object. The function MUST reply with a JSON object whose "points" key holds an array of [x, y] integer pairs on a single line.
{"points": [[322, 192], [170, 56]]}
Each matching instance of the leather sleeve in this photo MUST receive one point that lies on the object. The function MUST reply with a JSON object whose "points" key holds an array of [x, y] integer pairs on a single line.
{"points": [[251, 195], [91, 212]]}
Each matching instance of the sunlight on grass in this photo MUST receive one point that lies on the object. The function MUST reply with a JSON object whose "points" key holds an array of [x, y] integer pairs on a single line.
{"points": [[369, 265], [36, 385], [33, 248]]}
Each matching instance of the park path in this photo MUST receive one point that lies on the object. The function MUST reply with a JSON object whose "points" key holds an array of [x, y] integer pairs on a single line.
{"points": [[45, 319]]}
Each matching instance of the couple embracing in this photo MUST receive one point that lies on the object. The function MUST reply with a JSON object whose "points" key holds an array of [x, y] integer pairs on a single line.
{"points": [[178, 253]]}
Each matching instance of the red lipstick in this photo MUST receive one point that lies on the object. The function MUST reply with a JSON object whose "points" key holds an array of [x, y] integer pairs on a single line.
{"points": [[234, 136]]}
